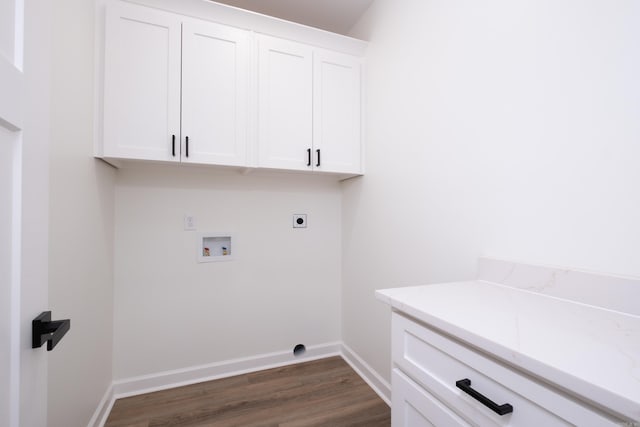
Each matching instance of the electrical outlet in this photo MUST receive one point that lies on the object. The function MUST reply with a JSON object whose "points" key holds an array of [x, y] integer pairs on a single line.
{"points": [[189, 222], [299, 220]]}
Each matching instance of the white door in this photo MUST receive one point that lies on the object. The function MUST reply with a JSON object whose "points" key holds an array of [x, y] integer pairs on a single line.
{"points": [[142, 83], [285, 90], [24, 136], [214, 93], [336, 112], [10, 139]]}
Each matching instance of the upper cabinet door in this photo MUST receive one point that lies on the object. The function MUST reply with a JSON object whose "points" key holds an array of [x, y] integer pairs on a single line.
{"points": [[285, 90], [336, 112], [214, 93], [142, 83]]}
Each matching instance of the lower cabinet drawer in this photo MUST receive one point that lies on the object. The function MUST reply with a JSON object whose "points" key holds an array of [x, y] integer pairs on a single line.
{"points": [[413, 406], [437, 363]]}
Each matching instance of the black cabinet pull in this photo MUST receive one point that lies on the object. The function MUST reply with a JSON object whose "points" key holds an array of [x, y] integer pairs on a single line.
{"points": [[318, 153], [173, 145], [465, 385], [187, 146], [308, 156]]}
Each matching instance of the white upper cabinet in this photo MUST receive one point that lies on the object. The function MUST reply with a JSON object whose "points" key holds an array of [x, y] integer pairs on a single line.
{"points": [[214, 94], [153, 61], [285, 104], [142, 83], [308, 108], [336, 112], [182, 89]]}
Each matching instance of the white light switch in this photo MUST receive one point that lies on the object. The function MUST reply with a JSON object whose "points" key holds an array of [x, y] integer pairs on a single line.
{"points": [[189, 222]]}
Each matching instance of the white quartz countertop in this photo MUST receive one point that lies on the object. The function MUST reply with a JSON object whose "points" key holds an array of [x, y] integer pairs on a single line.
{"points": [[588, 351]]}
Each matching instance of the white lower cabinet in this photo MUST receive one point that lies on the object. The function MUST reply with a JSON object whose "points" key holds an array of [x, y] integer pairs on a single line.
{"points": [[439, 381], [413, 406]]}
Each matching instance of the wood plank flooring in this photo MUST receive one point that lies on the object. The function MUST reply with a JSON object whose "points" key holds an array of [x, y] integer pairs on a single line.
{"points": [[324, 392]]}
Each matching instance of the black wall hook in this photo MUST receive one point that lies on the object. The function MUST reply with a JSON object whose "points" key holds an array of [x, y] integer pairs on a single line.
{"points": [[45, 330]]}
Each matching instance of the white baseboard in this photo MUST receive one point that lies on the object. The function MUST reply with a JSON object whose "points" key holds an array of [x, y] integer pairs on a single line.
{"points": [[196, 374], [370, 376], [227, 368], [99, 417]]}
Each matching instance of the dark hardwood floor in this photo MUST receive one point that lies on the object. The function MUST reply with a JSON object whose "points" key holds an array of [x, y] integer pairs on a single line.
{"points": [[325, 392]]}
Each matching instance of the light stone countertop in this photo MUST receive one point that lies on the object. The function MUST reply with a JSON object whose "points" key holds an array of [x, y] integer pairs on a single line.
{"points": [[587, 351]]}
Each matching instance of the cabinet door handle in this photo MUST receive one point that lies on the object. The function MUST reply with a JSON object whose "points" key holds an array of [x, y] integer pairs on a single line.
{"points": [[318, 153], [173, 145], [308, 156], [465, 385], [186, 145]]}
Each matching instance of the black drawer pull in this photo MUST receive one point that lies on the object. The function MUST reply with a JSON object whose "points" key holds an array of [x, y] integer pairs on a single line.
{"points": [[308, 156], [465, 385]]}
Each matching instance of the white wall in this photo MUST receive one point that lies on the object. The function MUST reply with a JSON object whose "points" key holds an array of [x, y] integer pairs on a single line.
{"points": [[499, 128], [281, 289], [81, 226]]}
